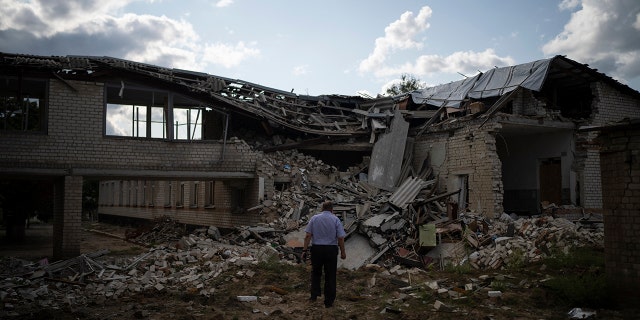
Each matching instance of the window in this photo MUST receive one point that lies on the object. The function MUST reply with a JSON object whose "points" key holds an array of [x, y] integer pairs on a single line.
{"points": [[112, 193], [145, 113], [194, 195], [152, 193], [237, 200], [181, 196], [210, 188], [23, 105], [134, 193], [463, 196], [144, 193], [168, 190], [188, 123], [132, 112], [120, 194]]}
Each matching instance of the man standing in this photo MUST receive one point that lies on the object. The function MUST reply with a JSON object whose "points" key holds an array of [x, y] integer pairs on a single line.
{"points": [[326, 234]]}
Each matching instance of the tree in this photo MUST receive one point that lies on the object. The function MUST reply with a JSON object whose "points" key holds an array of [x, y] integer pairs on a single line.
{"points": [[407, 84]]}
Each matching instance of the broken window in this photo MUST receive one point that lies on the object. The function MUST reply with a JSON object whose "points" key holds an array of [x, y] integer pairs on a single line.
{"points": [[237, 200], [463, 196], [23, 105], [237, 193], [188, 123], [146, 113]]}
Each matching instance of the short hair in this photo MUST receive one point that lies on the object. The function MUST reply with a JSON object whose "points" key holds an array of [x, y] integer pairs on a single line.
{"points": [[327, 206]]}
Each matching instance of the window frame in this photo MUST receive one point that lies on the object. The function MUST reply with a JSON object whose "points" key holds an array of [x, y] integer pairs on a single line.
{"points": [[21, 85], [183, 118]]}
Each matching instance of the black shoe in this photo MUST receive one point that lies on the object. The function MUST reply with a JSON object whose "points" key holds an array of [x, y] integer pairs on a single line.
{"points": [[328, 305], [313, 299]]}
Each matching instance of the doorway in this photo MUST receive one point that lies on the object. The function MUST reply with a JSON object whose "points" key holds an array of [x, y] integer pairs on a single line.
{"points": [[550, 179]]}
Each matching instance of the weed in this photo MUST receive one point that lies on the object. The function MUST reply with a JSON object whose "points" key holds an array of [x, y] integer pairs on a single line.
{"points": [[581, 280], [516, 260], [498, 285], [464, 268]]}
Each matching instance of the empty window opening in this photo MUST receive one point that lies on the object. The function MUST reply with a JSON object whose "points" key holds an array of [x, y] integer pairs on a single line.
{"points": [[139, 112], [22, 105], [237, 200]]}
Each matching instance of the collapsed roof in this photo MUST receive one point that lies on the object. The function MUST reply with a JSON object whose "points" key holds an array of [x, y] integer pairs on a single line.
{"points": [[324, 115]]}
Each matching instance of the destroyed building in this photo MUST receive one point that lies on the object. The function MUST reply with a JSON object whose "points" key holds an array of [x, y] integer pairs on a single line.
{"points": [[198, 147]]}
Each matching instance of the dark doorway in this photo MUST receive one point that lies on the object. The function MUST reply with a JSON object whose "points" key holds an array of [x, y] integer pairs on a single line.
{"points": [[551, 181]]}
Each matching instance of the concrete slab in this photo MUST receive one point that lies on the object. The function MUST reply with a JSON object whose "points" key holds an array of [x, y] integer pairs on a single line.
{"points": [[358, 252], [295, 239]]}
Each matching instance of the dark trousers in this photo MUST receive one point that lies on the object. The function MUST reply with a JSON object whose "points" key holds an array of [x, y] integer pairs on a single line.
{"points": [[324, 258]]}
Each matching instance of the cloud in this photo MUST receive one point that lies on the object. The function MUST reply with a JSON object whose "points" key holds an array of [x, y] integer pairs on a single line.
{"points": [[603, 34], [465, 62], [397, 36], [224, 3], [400, 35], [569, 4], [61, 27], [300, 70], [229, 55]]}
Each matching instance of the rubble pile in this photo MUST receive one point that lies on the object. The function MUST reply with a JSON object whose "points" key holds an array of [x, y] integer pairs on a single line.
{"points": [[188, 266], [393, 222], [413, 226], [160, 230], [527, 240]]}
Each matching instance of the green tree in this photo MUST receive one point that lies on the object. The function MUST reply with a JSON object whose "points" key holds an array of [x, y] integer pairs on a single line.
{"points": [[408, 83]]}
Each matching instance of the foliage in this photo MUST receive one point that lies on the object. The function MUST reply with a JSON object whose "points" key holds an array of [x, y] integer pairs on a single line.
{"points": [[581, 279], [408, 83]]}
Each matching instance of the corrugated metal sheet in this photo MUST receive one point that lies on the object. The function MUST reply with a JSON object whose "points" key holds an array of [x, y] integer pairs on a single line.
{"points": [[407, 192]]}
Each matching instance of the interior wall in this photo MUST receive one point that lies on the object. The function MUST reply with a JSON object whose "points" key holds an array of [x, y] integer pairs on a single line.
{"points": [[521, 154]]}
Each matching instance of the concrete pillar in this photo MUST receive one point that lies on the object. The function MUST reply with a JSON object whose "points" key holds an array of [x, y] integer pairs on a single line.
{"points": [[67, 217]]}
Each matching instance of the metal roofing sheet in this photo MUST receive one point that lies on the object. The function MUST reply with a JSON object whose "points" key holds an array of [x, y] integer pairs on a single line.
{"points": [[492, 83], [451, 93], [499, 81], [407, 192]]}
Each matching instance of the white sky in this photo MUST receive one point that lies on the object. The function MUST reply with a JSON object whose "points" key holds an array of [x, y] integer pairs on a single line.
{"points": [[331, 46]]}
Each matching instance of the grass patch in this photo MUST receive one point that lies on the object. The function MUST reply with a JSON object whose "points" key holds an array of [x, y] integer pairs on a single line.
{"points": [[580, 279]]}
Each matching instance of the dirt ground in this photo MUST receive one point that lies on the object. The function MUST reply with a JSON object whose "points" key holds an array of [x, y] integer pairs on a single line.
{"points": [[282, 291], [38, 242]]}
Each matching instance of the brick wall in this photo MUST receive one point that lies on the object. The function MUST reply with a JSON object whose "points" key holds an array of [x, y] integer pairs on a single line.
{"points": [[75, 140], [620, 164], [612, 106], [608, 106], [67, 216], [466, 151], [524, 103], [591, 182]]}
